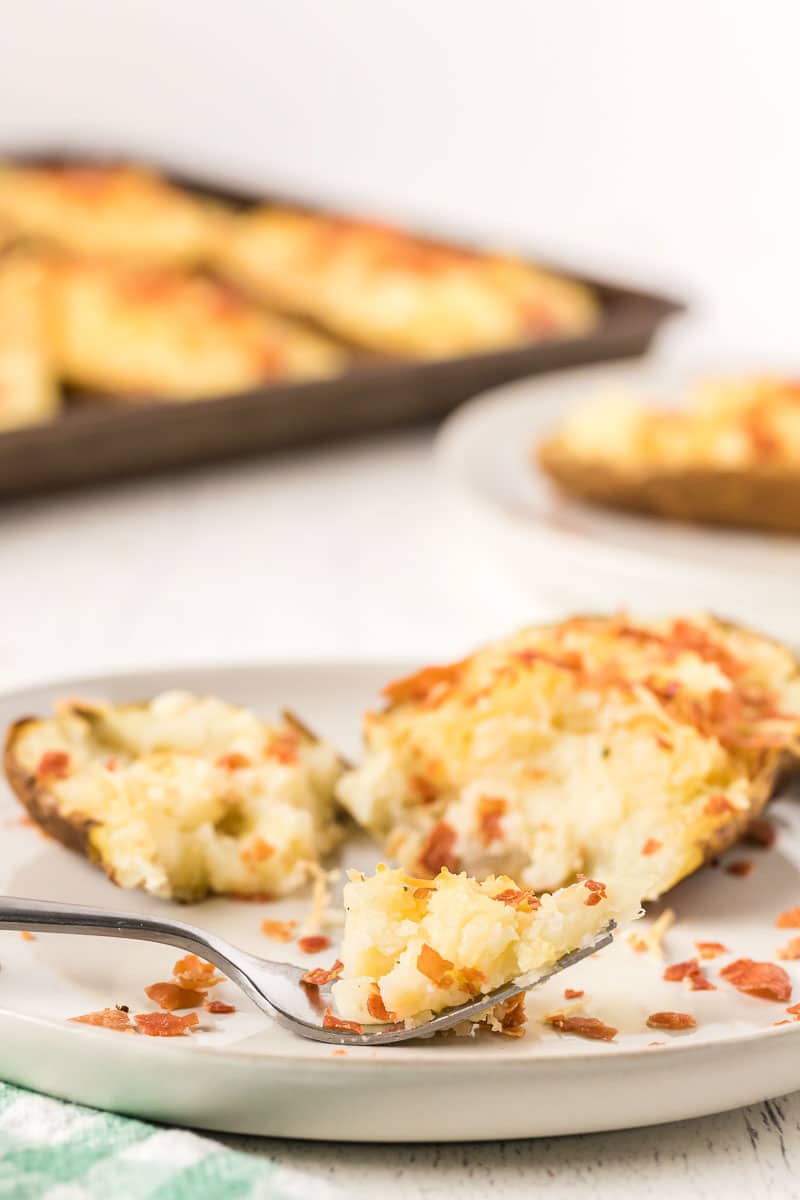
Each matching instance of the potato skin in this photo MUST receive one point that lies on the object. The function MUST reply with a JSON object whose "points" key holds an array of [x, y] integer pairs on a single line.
{"points": [[41, 805], [760, 498]]}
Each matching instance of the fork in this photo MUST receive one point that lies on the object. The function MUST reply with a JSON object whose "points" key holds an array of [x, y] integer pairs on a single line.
{"points": [[275, 987]]}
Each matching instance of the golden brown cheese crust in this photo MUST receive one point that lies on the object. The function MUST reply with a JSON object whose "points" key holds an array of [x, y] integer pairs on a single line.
{"points": [[161, 333], [392, 293], [129, 212]]}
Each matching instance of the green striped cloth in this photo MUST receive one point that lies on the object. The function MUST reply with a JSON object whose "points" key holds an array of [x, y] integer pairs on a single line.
{"points": [[56, 1151]]}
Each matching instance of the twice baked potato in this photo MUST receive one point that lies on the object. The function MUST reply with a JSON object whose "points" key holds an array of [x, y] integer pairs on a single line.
{"points": [[730, 457], [167, 334], [29, 392], [182, 795], [603, 746], [390, 292], [413, 947], [127, 212]]}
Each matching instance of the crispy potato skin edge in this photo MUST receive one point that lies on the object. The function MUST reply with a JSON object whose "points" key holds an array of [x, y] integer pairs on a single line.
{"points": [[758, 499]]}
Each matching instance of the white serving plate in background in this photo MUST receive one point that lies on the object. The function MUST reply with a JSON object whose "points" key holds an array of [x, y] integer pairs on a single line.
{"points": [[595, 559], [244, 1074]]}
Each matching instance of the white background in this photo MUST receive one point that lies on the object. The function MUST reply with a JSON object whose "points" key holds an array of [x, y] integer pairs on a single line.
{"points": [[656, 141]]}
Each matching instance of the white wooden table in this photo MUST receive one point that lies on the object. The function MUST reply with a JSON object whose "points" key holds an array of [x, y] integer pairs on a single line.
{"points": [[334, 553]]}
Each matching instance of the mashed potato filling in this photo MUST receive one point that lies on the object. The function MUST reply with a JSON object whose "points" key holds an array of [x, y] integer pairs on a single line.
{"points": [[598, 745], [187, 795], [413, 947]]}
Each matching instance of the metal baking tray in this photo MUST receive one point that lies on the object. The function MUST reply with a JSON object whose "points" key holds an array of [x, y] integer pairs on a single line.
{"points": [[89, 443]]}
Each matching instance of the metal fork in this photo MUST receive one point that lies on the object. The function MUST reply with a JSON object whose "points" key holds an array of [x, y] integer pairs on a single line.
{"points": [[274, 986]]}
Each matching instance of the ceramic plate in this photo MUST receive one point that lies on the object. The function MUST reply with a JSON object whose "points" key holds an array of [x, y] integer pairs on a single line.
{"points": [[241, 1073], [595, 558]]}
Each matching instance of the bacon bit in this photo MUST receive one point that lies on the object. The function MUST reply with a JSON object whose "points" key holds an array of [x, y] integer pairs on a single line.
{"points": [[283, 749], [233, 761], [711, 949], [279, 931], [423, 788], [510, 1017], [692, 971], [430, 685], [107, 1018], [740, 868], [586, 1027], [329, 1021], [597, 891], [171, 996], [27, 936], [54, 764], [437, 849], [193, 972], [664, 742], [431, 964], [340, 1051], [319, 976], [218, 1006], [651, 846], [251, 897], [314, 943], [791, 951], [111, 764], [467, 979], [523, 899], [165, 1024], [760, 832], [790, 919], [671, 1020], [256, 852], [766, 980], [794, 1009], [490, 811], [716, 805], [375, 1006], [783, 1022], [573, 993]]}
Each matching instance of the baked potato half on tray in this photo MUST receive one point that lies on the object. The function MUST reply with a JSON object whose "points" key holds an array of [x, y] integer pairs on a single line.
{"points": [[601, 746], [730, 457], [182, 795]]}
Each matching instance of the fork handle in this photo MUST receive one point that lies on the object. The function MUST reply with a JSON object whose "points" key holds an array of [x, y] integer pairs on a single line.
{"points": [[49, 916]]}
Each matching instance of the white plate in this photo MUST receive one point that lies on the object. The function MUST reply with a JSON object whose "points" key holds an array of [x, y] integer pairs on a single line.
{"points": [[243, 1074], [592, 557]]}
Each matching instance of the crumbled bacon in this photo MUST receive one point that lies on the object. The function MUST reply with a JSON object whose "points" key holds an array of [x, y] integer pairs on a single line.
{"points": [[716, 805], [790, 919], [739, 867], [794, 1009], [791, 951], [524, 899], [423, 788], [27, 936], [283, 749], [314, 943], [573, 993], [671, 1020], [711, 949], [375, 1006], [193, 972], [107, 1018], [664, 742], [218, 1006], [509, 1017], [319, 976], [586, 1027], [111, 764], [596, 890], [437, 849], [430, 685], [763, 979], [279, 931], [165, 1024], [491, 809], [256, 851], [171, 996], [54, 764], [234, 761], [651, 846], [431, 964], [760, 832], [329, 1021], [693, 972]]}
